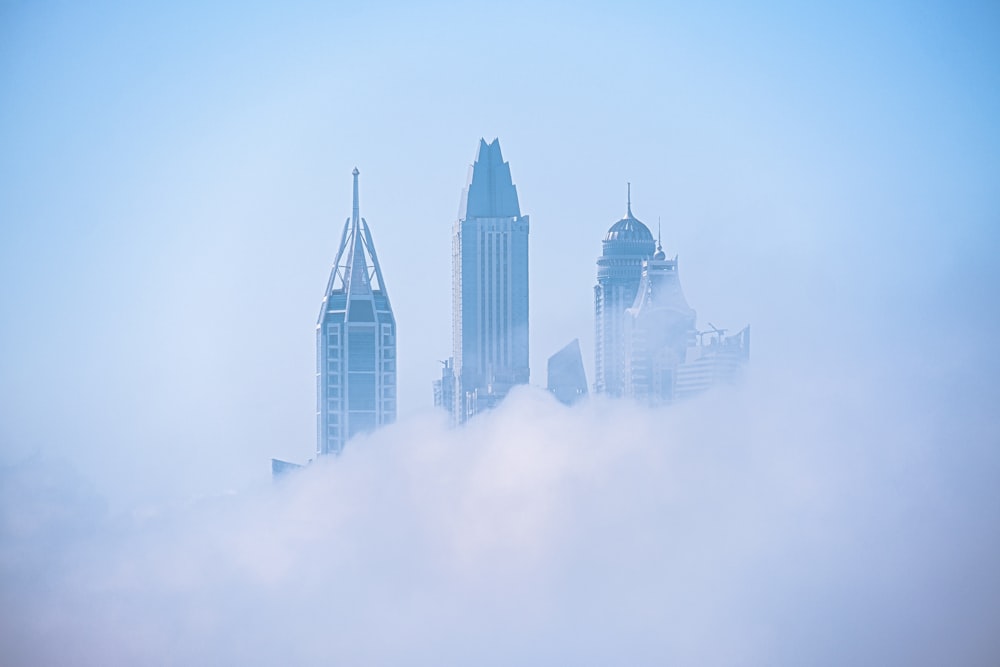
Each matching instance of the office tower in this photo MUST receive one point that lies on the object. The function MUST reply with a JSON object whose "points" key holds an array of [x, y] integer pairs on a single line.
{"points": [[489, 288], [659, 329], [355, 342], [567, 379], [619, 270]]}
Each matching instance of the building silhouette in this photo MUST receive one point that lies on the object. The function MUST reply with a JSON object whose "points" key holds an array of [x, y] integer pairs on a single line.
{"points": [[648, 347], [567, 379], [619, 271], [489, 290], [659, 330], [355, 342], [718, 360]]}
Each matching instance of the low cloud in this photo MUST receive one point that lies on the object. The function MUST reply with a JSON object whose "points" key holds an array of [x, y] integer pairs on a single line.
{"points": [[770, 523]]}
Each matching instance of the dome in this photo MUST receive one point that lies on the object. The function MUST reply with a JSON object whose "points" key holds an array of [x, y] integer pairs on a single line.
{"points": [[629, 229], [628, 237]]}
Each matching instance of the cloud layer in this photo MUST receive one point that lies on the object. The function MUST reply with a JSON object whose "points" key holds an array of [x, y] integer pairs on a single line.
{"points": [[765, 524]]}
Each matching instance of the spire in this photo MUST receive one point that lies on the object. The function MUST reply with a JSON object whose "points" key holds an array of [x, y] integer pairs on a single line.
{"points": [[629, 215], [356, 277], [356, 269], [355, 213]]}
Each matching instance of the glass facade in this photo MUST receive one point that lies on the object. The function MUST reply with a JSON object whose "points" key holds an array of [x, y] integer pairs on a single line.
{"points": [[489, 290]]}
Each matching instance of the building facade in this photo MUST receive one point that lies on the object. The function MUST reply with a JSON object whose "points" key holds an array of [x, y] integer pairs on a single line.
{"points": [[489, 289], [355, 342], [718, 360], [659, 330], [619, 270]]}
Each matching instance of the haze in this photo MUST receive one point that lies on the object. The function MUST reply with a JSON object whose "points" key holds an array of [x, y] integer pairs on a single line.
{"points": [[173, 180]]}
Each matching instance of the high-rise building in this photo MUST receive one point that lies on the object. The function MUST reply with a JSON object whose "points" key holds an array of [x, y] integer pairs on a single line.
{"points": [[619, 270], [489, 288], [659, 330], [355, 342]]}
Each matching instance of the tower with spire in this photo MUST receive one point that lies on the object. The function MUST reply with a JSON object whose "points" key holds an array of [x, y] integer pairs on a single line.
{"points": [[619, 271], [489, 288], [659, 330], [355, 342]]}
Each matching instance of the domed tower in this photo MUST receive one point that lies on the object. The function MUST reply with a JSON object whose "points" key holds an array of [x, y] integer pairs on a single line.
{"points": [[619, 271]]}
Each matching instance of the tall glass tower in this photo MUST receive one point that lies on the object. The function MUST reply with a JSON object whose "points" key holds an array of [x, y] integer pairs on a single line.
{"points": [[619, 270], [489, 287], [355, 343]]}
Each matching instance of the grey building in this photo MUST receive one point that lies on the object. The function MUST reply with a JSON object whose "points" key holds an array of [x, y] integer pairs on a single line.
{"points": [[619, 271], [355, 342], [489, 289]]}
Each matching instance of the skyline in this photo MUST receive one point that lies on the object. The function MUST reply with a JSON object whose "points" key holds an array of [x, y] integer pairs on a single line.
{"points": [[173, 181], [799, 161]]}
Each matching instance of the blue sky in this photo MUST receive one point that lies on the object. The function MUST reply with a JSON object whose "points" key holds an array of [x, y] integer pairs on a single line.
{"points": [[173, 178]]}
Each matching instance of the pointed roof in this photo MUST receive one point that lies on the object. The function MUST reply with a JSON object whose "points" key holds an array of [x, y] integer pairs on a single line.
{"points": [[567, 378], [490, 192], [356, 270], [660, 289]]}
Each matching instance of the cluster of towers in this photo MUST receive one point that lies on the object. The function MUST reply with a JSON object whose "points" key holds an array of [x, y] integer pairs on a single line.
{"points": [[647, 346]]}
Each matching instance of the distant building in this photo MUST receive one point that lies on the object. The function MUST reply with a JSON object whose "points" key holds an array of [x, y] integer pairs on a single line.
{"points": [[647, 344], [659, 330], [281, 468], [567, 378], [719, 361], [444, 389], [619, 270], [489, 289], [355, 342]]}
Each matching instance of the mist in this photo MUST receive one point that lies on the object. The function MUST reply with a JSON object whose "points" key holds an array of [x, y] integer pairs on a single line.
{"points": [[769, 523], [173, 181]]}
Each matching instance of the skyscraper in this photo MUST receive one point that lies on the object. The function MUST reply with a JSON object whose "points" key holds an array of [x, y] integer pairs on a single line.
{"points": [[489, 288], [619, 270], [659, 331], [355, 342]]}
